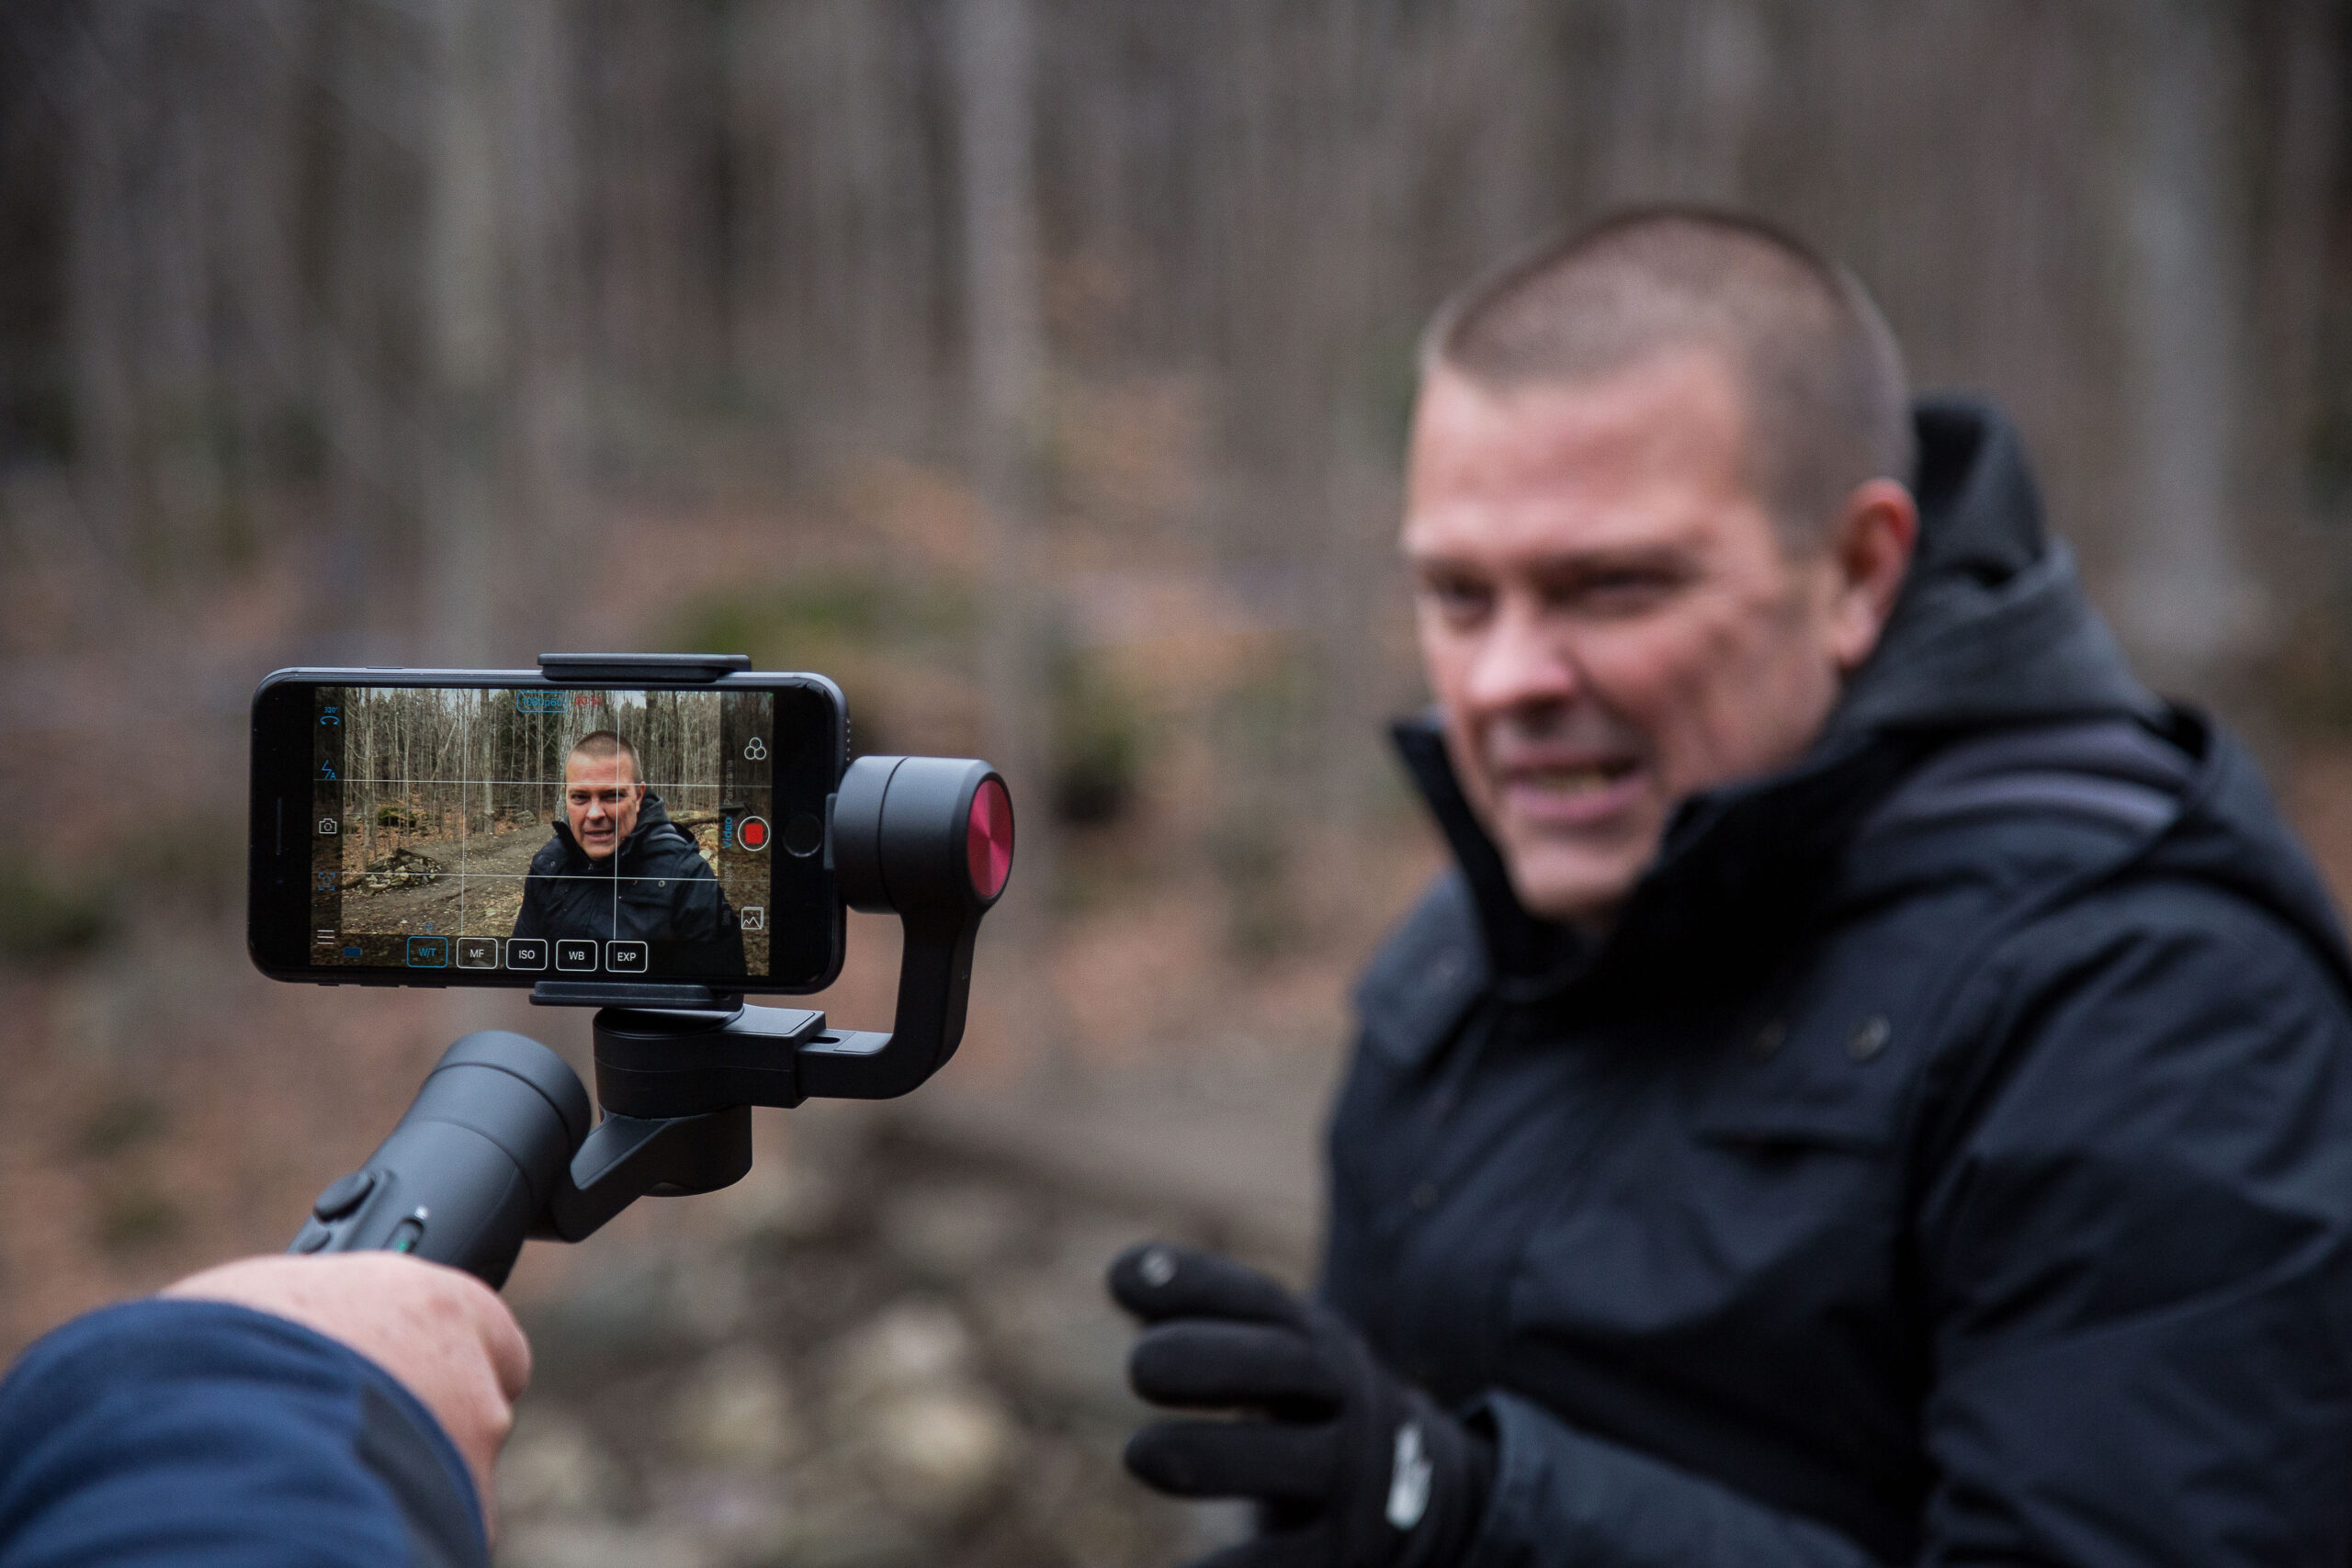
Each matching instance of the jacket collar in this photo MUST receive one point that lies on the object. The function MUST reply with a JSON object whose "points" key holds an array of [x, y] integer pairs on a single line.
{"points": [[1748, 856]]}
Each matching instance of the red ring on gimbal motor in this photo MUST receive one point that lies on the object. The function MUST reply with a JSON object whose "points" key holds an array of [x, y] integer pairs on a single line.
{"points": [[987, 838]]}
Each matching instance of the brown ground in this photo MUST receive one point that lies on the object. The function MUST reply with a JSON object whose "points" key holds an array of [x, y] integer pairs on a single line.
{"points": [[478, 892]]}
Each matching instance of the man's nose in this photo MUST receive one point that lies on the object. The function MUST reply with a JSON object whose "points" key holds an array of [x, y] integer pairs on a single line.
{"points": [[1521, 663]]}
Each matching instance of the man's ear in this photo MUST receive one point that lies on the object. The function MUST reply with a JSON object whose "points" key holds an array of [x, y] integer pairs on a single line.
{"points": [[1868, 554]]}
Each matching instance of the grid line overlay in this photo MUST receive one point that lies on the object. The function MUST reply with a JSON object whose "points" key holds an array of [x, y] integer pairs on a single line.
{"points": [[415, 799]]}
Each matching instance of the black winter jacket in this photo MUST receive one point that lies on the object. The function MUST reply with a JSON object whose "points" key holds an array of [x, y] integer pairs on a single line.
{"points": [[656, 889], [1947, 1159]]}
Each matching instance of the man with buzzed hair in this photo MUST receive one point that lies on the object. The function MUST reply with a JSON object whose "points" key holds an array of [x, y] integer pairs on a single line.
{"points": [[1875, 1086], [617, 869]]}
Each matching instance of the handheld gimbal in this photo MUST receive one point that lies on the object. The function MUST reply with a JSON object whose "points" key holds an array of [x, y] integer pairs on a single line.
{"points": [[501, 1142]]}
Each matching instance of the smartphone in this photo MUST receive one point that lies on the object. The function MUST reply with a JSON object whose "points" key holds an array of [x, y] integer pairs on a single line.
{"points": [[494, 828]]}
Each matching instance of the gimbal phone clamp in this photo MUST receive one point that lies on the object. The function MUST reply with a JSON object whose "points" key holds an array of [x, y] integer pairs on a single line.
{"points": [[501, 1142]]}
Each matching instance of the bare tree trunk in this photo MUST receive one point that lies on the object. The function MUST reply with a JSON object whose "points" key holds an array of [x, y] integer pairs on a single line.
{"points": [[549, 517], [102, 255], [993, 53], [2187, 600], [466, 329]]}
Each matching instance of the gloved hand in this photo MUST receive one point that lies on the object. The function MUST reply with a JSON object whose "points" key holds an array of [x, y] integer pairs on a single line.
{"points": [[1353, 1467]]}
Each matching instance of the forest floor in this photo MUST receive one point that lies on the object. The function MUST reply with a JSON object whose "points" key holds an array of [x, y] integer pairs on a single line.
{"points": [[890, 1344], [479, 888]]}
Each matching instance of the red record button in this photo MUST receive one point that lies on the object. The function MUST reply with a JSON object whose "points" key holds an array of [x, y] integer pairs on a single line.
{"points": [[751, 832], [987, 838]]}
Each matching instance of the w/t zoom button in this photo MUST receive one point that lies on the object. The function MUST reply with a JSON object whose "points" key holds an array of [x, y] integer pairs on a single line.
{"points": [[625, 957], [575, 955]]}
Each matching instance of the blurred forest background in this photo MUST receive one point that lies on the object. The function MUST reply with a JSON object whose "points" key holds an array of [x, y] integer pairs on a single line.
{"points": [[1036, 368]]}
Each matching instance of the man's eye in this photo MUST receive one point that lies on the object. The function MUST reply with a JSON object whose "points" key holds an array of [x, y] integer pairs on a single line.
{"points": [[1620, 593], [1457, 600]]}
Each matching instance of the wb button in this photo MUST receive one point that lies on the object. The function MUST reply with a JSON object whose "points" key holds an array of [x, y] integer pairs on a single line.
{"points": [[625, 957], [575, 955]]}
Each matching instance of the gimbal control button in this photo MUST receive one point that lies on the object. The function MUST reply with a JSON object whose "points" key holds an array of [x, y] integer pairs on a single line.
{"points": [[342, 1195]]}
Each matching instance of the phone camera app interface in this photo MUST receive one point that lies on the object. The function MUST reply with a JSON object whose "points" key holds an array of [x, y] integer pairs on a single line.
{"points": [[555, 832]]}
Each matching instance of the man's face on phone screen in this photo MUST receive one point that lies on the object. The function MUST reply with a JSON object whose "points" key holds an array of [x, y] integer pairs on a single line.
{"points": [[601, 795]]}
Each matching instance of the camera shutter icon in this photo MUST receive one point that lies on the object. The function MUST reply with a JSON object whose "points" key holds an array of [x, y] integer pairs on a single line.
{"points": [[326, 826]]}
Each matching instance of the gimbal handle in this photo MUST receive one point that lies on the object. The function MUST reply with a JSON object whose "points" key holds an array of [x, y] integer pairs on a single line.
{"points": [[498, 1144]]}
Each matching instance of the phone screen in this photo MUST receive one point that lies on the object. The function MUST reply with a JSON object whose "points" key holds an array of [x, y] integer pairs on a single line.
{"points": [[503, 834]]}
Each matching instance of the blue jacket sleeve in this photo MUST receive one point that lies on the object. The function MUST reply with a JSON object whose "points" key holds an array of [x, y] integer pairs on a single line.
{"points": [[2133, 1235], [203, 1435]]}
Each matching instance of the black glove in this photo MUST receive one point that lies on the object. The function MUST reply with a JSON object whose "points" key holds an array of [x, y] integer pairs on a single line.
{"points": [[1354, 1468]]}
